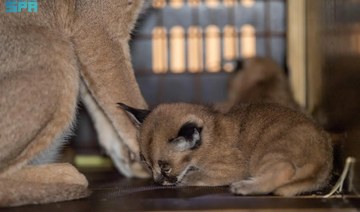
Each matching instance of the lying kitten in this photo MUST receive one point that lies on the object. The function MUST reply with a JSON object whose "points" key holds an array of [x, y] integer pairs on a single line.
{"points": [[254, 148], [258, 80]]}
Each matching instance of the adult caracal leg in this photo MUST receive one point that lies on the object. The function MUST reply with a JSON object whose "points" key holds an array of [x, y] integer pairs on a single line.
{"points": [[38, 96]]}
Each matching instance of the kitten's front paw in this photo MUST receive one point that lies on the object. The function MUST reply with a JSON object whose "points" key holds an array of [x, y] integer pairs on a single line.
{"points": [[244, 187]]}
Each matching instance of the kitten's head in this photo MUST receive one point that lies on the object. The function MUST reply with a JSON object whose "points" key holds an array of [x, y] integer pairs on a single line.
{"points": [[171, 138]]}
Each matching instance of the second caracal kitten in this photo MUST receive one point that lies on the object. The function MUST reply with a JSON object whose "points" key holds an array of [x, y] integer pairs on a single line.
{"points": [[262, 80], [254, 148], [258, 80]]}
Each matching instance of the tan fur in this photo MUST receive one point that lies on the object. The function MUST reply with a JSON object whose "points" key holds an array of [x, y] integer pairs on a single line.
{"points": [[34, 184], [261, 80], [255, 148], [45, 57]]}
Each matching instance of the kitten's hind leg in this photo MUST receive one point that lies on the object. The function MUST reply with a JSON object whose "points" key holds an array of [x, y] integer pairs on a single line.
{"points": [[266, 179], [308, 178], [297, 187]]}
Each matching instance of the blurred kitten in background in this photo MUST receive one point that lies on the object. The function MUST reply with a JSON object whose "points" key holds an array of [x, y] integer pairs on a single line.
{"points": [[258, 80], [262, 80]]}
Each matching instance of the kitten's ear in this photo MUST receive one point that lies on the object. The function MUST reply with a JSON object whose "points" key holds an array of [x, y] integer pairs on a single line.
{"points": [[239, 65], [188, 138], [136, 115]]}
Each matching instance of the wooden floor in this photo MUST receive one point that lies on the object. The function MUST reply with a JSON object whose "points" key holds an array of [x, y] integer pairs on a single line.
{"points": [[111, 192]]}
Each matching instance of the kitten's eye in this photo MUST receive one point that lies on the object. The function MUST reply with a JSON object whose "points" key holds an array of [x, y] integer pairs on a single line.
{"points": [[164, 166]]}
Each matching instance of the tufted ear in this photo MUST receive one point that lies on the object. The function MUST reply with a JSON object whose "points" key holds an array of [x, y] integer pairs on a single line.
{"points": [[136, 115], [188, 138], [239, 65]]}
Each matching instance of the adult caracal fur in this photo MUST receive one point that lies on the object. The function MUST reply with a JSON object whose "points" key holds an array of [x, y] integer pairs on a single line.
{"points": [[68, 50]]}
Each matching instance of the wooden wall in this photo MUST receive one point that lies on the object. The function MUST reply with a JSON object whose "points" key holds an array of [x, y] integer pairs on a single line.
{"points": [[324, 58]]}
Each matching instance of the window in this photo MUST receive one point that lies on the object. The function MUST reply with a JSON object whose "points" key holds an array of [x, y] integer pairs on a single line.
{"points": [[213, 49], [177, 3], [177, 46], [159, 50], [195, 49], [230, 43], [248, 41]]}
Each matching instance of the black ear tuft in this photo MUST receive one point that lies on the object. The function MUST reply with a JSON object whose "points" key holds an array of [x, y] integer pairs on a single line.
{"points": [[187, 130], [239, 65], [137, 115], [188, 138]]}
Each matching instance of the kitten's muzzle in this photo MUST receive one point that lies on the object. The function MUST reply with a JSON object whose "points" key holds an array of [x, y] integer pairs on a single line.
{"points": [[165, 180], [159, 180]]}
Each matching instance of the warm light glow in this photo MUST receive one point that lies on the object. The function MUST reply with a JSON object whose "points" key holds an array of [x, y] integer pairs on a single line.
{"points": [[194, 3], [229, 66], [159, 50], [247, 3], [248, 41], [159, 4], [177, 3], [229, 3], [212, 3], [230, 43], [213, 48], [177, 46], [195, 49]]}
